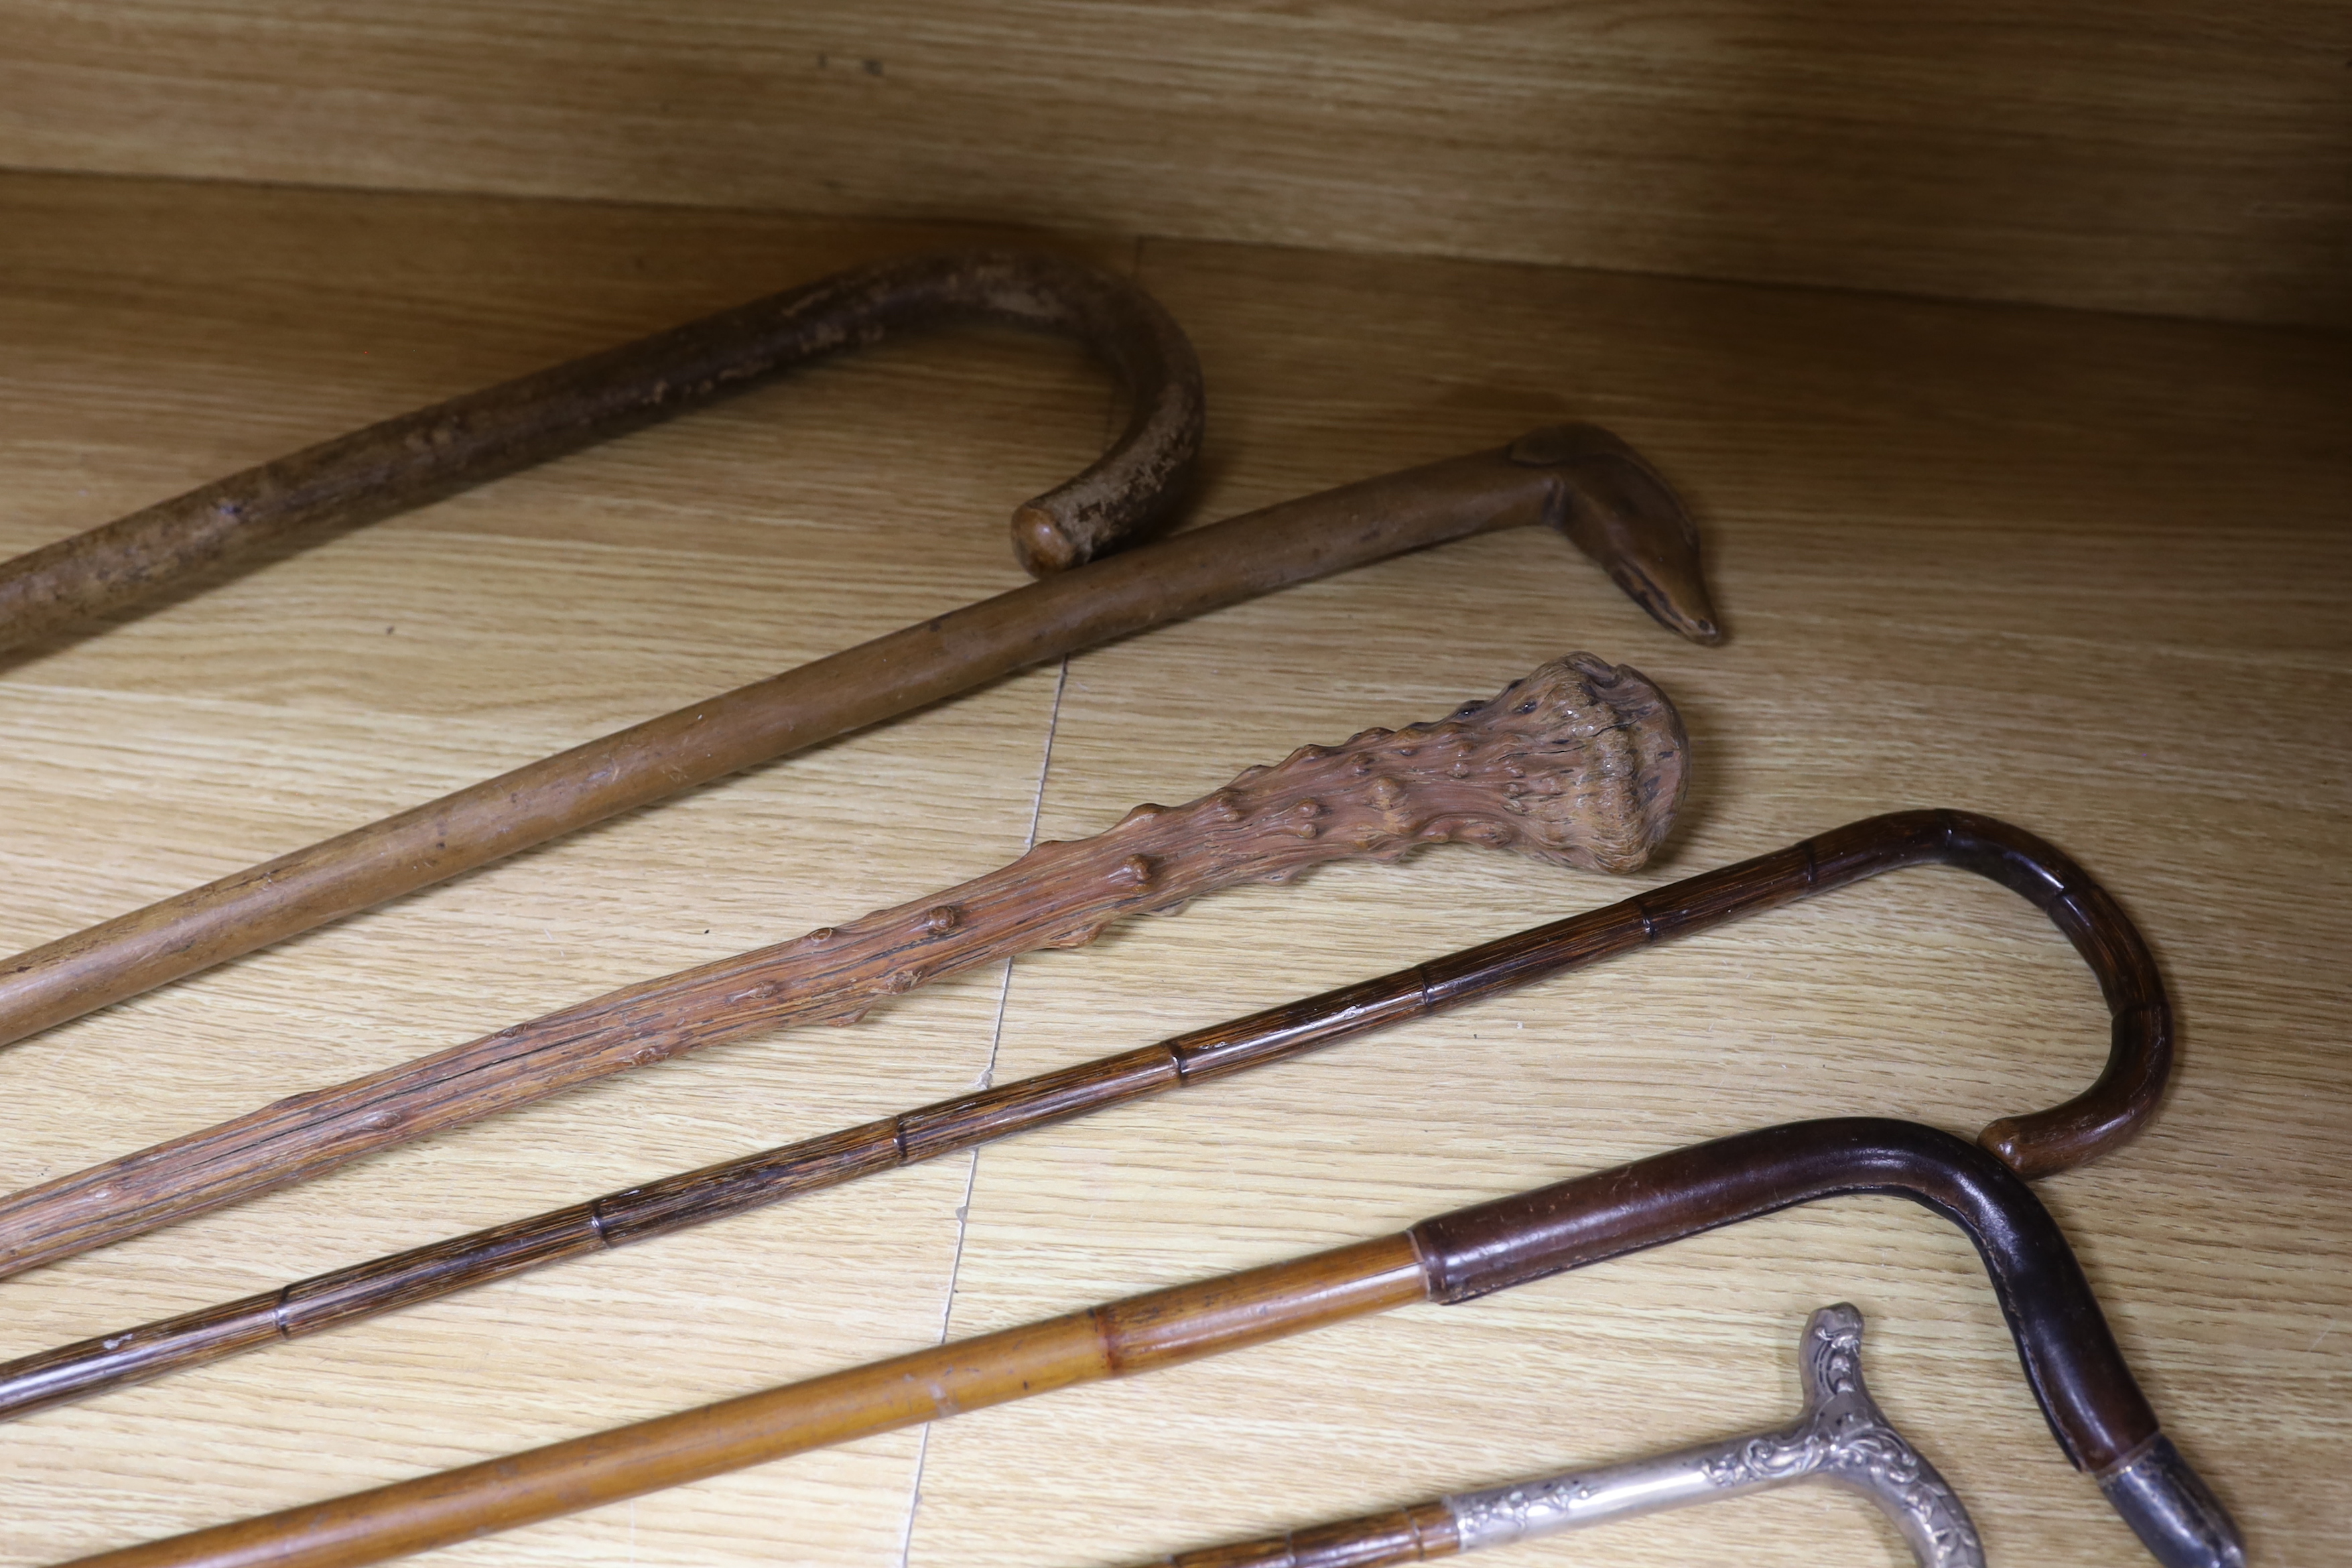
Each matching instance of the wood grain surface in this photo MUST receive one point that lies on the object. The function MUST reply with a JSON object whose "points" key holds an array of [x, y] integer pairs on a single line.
{"points": [[2084, 572], [2188, 157]]}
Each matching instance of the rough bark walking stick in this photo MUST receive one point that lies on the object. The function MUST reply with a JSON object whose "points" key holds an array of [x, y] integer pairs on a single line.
{"points": [[2112, 1109], [2102, 1421], [1576, 479], [1841, 1437], [1579, 764], [434, 453]]}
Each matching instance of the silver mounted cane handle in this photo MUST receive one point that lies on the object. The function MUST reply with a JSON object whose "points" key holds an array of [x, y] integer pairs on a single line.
{"points": [[1841, 1436]]}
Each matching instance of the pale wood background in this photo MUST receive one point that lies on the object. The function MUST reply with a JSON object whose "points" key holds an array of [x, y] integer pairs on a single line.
{"points": [[2187, 157], [2085, 572]]}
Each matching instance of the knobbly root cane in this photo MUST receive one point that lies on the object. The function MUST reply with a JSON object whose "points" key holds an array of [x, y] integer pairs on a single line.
{"points": [[2108, 1111], [1580, 763], [1841, 1437], [1577, 480], [2095, 1409]]}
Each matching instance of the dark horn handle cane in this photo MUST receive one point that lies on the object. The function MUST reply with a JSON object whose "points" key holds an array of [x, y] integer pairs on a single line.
{"points": [[435, 452], [2095, 1406]]}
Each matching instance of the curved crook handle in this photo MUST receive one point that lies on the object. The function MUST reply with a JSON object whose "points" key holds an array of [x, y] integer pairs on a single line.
{"points": [[2086, 1391], [2139, 1054], [435, 452]]}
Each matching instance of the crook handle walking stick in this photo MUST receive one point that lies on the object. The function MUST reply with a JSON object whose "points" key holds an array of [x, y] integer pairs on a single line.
{"points": [[1841, 1437], [435, 452], [1579, 764], [2112, 1109], [2102, 1421], [1578, 479]]}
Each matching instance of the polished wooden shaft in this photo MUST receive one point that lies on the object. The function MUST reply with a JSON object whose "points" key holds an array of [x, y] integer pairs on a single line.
{"points": [[1121, 1338], [1418, 1533], [2095, 1406], [2036, 1144], [1577, 478]]}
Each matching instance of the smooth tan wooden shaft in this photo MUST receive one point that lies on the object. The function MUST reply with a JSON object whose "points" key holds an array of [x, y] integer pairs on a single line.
{"points": [[1188, 575], [1163, 1328]]}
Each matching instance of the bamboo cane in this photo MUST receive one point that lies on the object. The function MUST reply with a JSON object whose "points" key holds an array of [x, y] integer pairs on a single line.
{"points": [[2100, 1419], [1578, 479], [1579, 764], [2041, 1144]]}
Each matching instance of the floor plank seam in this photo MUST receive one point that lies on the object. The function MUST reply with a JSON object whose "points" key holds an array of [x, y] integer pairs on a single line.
{"points": [[987, 1080]]}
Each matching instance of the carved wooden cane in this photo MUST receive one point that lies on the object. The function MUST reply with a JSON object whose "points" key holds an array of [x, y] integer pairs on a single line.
{"points": [[1841, 1437], [1579, 764], [435, 452], [1576, 479], [2041, 1144], [2095, 1407]]}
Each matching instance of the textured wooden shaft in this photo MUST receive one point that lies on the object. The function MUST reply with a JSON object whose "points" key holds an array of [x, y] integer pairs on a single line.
{"points": [[2123, 1097], [1170, 580], [1580, 763], [1165, 1328], [435, 452]]}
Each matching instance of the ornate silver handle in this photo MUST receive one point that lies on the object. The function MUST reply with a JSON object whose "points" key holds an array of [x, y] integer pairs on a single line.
{"points": [[1841, 1436]]}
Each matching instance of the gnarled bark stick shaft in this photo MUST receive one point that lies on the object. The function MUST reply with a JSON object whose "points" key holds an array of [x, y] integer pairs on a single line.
{"points": [[1579, 764], [1170, 580]]}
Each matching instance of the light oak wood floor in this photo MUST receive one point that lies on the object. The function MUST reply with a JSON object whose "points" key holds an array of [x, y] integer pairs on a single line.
{"points": [[2085, 573]]}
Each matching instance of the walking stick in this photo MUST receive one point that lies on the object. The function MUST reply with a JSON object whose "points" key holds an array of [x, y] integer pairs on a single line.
{"points": [[435, 452], [1841, 1437], [1576, 479], [1579, 764], [2102, 1421], [2042, 1144]]}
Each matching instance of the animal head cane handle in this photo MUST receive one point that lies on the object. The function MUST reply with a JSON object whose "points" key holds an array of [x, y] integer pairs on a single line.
{"points": [[1841, 1436], [434, 452], [1580, 763], [1627, 518]]}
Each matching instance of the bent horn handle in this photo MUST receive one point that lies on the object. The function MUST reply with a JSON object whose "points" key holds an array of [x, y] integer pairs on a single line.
{"points": [[1173, 580], [2094, 1406], [1580, 763], [434, 452]]}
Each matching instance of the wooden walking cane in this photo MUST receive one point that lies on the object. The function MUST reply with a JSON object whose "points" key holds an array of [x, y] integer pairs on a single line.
{"points": [[1579, 764], [1576, 479], [2040, 1143], [2102, 1421], [435, 452]]}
